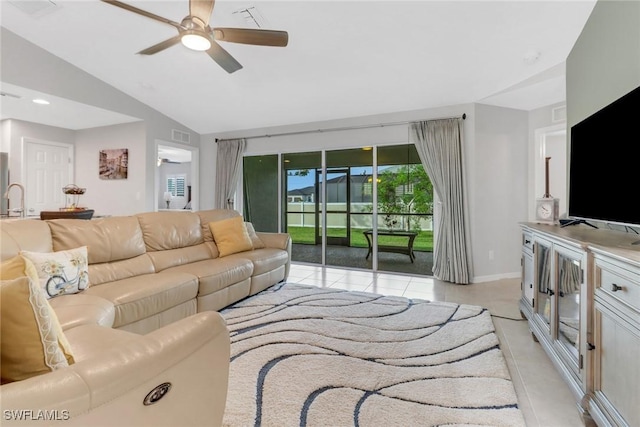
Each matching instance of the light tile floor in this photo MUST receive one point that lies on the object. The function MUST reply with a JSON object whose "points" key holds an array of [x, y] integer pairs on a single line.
{"points": [[543, 397]]}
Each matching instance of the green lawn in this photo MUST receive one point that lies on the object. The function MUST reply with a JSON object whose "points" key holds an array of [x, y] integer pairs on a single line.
{"points": [[423, 242]]}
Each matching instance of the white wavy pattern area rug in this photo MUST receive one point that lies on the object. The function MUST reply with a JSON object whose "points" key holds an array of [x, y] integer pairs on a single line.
{"points": [[308, 356]]}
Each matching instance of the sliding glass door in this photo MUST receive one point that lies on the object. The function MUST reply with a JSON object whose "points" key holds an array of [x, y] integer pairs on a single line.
{"points": [[405, 207], [301, 204], [337, 207], [329, 212], [349, 206]]}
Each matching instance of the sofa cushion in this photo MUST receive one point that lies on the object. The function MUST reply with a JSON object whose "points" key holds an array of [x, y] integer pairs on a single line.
{"points": [[212, 215], [62, 272], [92, 341], [264, 260], [174, 257], [230, 236], [107, 239], [32, 341], [255, 240], [119, 270], [217, 274], [142, 296], [82, 309], [31, 235], [170, 230]]}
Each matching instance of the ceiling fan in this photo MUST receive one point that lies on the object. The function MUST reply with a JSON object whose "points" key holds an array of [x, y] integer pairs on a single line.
{"points": [[195, 33]]}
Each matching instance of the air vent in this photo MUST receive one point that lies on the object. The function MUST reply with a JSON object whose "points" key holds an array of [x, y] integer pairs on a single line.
{"points": [[250, 17], [180, 136], [559, 114], [35, 8]]}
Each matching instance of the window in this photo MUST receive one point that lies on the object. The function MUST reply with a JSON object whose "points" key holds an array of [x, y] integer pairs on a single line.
{"points": [[176, 185]]}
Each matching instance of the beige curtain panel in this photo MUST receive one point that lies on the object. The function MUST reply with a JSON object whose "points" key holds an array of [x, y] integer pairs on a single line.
{"points": [[228, 169], [439, 145]]}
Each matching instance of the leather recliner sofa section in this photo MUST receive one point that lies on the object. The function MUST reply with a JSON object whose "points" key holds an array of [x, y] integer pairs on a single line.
{"points": [[149, 316]]}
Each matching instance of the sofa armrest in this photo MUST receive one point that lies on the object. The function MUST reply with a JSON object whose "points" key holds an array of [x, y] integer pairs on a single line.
{"points": [[275, 240], [278, 241], [109, 388]]}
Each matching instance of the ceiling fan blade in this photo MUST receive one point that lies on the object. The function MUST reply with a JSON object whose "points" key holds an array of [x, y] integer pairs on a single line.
{"points": [[202, 9], [143, 13], [223, 58], [252, 36], [160, 46]]}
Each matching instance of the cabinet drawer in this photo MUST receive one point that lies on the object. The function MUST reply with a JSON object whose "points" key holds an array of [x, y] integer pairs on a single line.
{"points": [[619, 284], [527, 241]]}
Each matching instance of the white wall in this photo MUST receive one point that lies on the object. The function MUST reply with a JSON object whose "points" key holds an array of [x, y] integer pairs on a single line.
{"points": [[604, 63], [496, 153], [5, 135], [112, 196], [27, 65], [208, 157], [499, 183]]}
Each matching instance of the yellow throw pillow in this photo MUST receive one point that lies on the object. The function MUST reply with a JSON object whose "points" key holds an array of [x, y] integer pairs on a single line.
{"points": [[255, 240], [62, 272], [231, 236], [31, 339]]}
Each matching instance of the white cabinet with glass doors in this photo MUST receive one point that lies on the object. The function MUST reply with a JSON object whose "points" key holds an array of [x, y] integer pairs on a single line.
{"points": [[555, 301]]}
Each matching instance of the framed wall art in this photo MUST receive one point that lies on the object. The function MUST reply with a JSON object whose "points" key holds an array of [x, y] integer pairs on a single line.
{"points": [[114, 163]]}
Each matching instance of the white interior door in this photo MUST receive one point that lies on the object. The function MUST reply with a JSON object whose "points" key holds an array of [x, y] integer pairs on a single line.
{"points": [[48, 168]]}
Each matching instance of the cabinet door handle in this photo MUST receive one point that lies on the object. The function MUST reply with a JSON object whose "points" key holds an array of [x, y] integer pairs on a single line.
{"points": [[616, 288]]}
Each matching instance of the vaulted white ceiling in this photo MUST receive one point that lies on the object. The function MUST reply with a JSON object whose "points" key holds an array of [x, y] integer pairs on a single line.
{"points": [[344, 58]]}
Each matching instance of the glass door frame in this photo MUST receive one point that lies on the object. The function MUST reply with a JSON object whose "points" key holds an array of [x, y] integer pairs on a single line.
{"points": [[321, 204]]}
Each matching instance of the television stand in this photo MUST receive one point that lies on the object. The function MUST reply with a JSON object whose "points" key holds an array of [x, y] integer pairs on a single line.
{"points": [[566, 223]]}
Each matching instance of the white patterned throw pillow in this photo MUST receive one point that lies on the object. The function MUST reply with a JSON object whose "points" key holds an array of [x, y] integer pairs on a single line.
{"points": [[62, 272]]}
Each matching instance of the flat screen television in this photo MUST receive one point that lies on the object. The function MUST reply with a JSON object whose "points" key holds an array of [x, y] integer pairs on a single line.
{"points": [[604, 166]]}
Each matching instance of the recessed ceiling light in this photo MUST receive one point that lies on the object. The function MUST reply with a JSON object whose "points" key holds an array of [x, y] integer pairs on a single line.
{"points": [[41, 101]]}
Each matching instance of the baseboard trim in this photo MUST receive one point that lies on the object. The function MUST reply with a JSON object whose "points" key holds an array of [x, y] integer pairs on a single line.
{"points": [[494, 277]]}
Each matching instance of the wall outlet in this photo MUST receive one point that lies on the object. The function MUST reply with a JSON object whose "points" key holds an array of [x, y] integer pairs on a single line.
{"points": [[491, 255]]}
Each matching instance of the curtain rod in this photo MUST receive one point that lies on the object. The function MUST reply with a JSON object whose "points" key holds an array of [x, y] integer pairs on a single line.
{"points": [[381, 125]]}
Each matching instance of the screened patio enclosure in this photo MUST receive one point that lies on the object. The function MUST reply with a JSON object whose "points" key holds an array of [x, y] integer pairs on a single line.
{"points": [[364, 208]]}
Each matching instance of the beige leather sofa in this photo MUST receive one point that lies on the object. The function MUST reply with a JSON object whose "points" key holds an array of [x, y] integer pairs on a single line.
{"points": [[149, 317]]}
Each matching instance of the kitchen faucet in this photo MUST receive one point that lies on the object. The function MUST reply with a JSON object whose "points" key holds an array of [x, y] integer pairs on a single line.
{"points": [[6, 196]]}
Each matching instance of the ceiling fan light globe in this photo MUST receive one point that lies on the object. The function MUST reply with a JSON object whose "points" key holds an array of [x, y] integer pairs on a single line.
{"points": [[195, 41]]}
